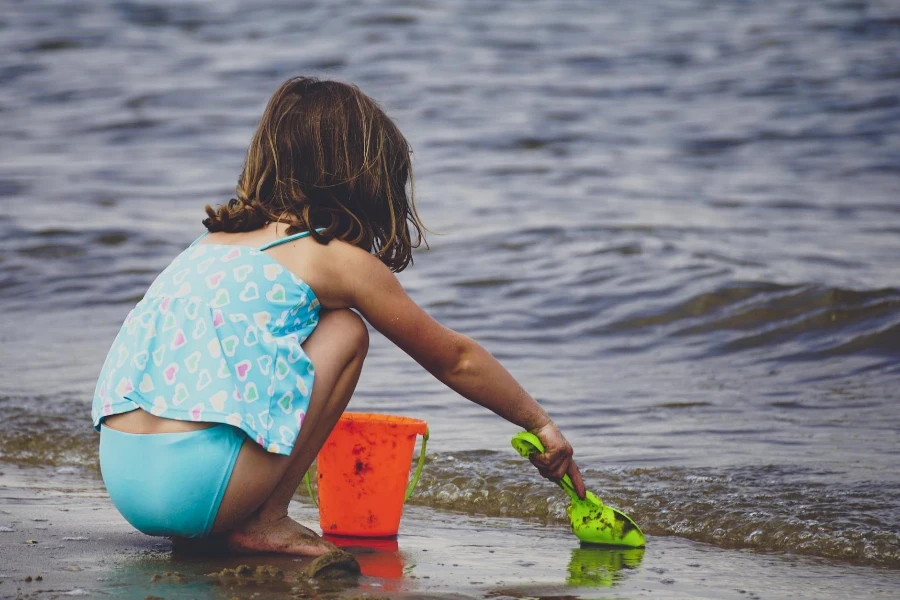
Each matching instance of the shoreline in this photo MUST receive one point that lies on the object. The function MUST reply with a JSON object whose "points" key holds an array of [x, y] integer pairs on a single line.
{"points": [[60, 525]]}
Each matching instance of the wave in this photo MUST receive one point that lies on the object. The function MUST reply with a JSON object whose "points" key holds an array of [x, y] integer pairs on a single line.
{"points": [[805, 321]]}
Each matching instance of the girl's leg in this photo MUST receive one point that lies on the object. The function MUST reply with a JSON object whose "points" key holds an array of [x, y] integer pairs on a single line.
{"points": [[253, 513]]}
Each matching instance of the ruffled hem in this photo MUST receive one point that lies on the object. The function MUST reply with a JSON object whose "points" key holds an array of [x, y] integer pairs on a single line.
{"points": [[135, 401]]}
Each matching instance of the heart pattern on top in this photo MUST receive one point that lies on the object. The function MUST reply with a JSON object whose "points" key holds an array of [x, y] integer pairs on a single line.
{"points": [[217, 400], [199, 329], [231, 254], [159, 406], [265, 363], [140, 359], [213, 281], [146, 386], [286, 402], [230, 344], [250, 292], [221, 299], [204, 265], [261, 319], [241, 273], [170, 372], [192, 362], [281, 368], [276, 294], [250, 393], [223, 371], [271, 272], [242, 368], [181, 394]]}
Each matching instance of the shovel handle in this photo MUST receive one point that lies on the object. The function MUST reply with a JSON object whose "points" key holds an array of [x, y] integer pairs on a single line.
{"points": [[527, 445]]}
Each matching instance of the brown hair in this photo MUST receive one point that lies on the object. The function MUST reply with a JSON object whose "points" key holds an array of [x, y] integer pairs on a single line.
{"points": [[326, 156]]}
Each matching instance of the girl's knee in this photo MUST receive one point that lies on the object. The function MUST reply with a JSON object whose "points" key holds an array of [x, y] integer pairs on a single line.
{"points": [[352, 328]]}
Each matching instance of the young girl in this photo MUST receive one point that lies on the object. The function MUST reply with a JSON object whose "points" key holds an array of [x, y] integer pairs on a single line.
{"points": [[228, 376]]}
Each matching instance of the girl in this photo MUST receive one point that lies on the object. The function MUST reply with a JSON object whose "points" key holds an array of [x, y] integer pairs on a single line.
{"points": [[228, 376]]}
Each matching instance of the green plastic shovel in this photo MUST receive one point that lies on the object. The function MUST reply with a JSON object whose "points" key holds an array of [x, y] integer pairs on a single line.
{"points": [[592, 521]]}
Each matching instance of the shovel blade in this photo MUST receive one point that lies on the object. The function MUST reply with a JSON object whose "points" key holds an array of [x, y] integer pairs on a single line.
{"points": [[596, 523]]}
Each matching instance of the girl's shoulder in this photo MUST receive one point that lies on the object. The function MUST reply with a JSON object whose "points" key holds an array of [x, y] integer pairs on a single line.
{"points": [[337, 272]]}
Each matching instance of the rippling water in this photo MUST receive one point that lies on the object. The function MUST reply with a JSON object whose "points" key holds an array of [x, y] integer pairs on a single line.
{"points": [[675, 222]]}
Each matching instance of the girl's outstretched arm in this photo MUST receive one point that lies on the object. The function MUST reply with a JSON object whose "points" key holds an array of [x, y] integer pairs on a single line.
{"points": [[455, 359]]}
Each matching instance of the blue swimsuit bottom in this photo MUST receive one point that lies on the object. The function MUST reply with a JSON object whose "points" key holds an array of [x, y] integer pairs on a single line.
{"points": [[169, 484]]}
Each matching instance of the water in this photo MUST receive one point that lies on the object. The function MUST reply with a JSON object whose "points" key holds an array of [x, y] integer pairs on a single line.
{"points": [[676, 223]]}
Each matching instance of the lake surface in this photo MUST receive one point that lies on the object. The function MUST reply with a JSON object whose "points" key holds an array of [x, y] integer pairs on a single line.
{"points": [[677, 224]]}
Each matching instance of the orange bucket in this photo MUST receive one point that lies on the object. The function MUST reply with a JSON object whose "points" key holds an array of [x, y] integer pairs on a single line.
{"points": [[363, 474]]}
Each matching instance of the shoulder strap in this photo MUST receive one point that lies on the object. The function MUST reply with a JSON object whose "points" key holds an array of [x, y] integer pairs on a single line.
{"points": [[194, 243], [287, 239]]}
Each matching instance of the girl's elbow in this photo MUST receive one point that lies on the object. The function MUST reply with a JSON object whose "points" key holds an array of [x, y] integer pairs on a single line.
{"points": [[451, 358], [461, 368], [462, 361]]}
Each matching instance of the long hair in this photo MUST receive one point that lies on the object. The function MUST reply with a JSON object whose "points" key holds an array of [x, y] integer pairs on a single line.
{"points": [[326, 156]]}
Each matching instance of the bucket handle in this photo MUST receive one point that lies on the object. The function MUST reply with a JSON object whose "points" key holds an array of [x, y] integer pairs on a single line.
{"points": [[420, 463], [309, 489]]}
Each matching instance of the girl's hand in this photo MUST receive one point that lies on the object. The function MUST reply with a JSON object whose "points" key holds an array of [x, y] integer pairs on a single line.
{"points": [[556, 460]]}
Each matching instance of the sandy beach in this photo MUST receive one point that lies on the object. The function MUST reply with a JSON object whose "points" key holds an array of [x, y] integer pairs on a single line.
{"points": [[60, 537]]}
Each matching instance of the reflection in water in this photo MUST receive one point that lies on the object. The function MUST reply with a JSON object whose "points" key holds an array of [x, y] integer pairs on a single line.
{"points": [[181, 576], [160, 576], [377, 558], [591, 566]]}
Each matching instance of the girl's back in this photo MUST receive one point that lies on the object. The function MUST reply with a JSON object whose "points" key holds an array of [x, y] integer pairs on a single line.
{"points": [[218, 338]]}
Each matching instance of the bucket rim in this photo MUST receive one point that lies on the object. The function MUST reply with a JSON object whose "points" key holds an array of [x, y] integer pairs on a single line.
{"points": [[383, 419]]}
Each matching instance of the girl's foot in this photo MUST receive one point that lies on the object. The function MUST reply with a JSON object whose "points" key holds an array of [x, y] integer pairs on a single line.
{"points": [[283, 535]]}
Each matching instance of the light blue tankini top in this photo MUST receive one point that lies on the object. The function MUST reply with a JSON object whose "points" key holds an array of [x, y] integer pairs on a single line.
{"points": [[217, 339]]}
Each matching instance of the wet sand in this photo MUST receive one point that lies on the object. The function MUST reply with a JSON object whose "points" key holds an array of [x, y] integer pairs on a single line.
{"points": [[60, 530]]}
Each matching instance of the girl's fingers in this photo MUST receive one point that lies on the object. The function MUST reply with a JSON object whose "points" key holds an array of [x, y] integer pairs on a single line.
{"points": [[543, 466], [552, 465], [570, 469], [538, 460], [547, 460], [557, 465], [556, 461], [577, 481], [560, 470]]}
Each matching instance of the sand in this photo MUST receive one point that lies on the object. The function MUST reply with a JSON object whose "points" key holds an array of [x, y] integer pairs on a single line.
{"points": [[60, 538]]}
